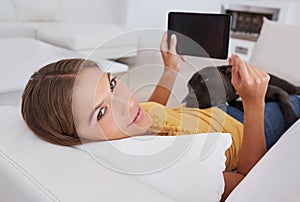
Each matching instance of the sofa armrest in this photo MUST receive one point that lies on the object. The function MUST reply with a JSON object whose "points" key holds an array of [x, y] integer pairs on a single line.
{"points": [[276, 176]]}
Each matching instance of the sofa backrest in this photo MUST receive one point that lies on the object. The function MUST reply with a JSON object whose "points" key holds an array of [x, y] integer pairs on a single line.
{"points": [[7, 11], [30, 10], [277, 50]]}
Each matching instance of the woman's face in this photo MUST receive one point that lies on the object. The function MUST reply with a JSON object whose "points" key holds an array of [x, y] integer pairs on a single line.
{"points": [[105, 109]]}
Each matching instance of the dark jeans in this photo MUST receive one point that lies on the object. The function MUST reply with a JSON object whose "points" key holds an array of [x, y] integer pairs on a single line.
{"points": [[274, 122]]}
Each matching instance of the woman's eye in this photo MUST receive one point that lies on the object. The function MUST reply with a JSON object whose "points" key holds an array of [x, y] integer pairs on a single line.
{"points": [[113, 83], [101, 113]]}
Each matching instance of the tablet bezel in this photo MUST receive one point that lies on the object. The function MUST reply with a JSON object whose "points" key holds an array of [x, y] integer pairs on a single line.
{"points": [[224, 46]]}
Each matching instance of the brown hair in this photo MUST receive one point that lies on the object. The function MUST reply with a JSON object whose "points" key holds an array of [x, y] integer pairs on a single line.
{"points": [[47, 101]]}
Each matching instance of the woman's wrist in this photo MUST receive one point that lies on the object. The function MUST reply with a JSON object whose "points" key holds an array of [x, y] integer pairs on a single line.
{"points": [[168, 78], [254, 106], [164, 87], [254, 112], [169, 72]]}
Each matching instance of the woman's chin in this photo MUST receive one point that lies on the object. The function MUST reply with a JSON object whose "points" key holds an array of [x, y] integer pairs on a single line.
{"points": [[140, 128]]}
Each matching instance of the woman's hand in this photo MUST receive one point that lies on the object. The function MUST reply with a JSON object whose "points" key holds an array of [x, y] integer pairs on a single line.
{"points": [[165, 85], [170, 57], [250, 82]]}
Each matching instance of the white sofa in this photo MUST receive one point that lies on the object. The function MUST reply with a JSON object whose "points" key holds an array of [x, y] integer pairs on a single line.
{"points": [[44, 20], [33, 170]]}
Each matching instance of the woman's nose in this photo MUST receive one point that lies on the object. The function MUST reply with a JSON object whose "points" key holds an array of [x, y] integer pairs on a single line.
{"points": [[122, 100], [123, 104]]}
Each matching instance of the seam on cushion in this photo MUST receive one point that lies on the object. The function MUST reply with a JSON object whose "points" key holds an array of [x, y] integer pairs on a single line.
{"points": [[18, 167], [153, 188]]}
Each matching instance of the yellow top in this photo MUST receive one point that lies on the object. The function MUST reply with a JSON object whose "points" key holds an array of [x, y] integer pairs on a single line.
{"points": [[183, 120]]}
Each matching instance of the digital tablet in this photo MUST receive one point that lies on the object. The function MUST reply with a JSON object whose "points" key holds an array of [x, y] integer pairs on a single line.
{"points": [[200, 34]]}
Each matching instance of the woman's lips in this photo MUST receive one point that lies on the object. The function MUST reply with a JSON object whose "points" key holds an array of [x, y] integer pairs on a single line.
{"points": [[137, 117]]}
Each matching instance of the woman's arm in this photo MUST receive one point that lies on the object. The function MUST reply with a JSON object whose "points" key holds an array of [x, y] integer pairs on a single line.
{"points": [[164, 87], [251, 84]]}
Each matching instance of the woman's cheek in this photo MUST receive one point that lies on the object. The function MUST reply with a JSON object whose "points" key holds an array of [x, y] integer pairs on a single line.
{"points": [[110, 131], [111, 127]]}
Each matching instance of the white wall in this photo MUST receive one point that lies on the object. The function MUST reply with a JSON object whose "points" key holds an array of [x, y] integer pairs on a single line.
{"points": [[105, 11], [140, 13], [153, 13], [133, 13]]}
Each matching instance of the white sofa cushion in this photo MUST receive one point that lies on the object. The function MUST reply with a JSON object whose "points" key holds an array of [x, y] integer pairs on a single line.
{"points": [[90, 37], [18, 29], [35, 170], [185, 168], [38, 10], [277, 50], [22, 56], [7, 11]]}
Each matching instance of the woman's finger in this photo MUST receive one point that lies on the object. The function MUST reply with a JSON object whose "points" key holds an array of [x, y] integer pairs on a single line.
{"points": [[164, 42], [252, 73], [241, 68], [259, 71], [256, 74], [173, 42], [182, 58], [235, 76], [263, 75], [229, 61]]}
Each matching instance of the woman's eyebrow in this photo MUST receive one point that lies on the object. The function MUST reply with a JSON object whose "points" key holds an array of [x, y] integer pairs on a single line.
{"points": [[100, 104], [108, 76]]}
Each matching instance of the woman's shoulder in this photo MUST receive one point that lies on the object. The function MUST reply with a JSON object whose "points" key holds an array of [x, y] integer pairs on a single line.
{"points": [[150, 105]]}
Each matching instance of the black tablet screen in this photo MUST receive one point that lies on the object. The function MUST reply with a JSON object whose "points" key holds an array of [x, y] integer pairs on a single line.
{"points": [[209, 31]]}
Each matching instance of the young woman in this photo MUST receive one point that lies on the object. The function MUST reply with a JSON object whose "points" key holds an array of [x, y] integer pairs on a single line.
{"points": [[72, 101]]}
